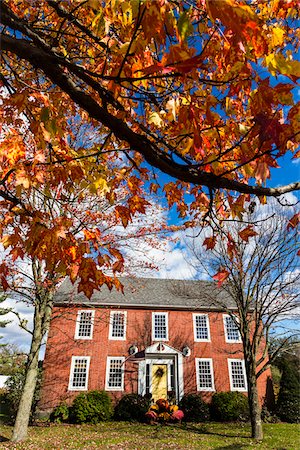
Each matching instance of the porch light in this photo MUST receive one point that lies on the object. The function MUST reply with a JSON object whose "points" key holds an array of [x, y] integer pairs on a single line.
{"points": [[186, 351], [133, 349]]}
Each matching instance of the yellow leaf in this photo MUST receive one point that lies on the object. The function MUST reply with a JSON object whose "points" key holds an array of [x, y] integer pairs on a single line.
{"points": [[155, 119], [99, 186], [278, 35], [276, 62]]}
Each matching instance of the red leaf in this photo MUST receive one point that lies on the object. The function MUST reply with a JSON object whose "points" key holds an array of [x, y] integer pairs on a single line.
{"points": [[246, 233], [221, 276], [294, 221], [210, 242]]}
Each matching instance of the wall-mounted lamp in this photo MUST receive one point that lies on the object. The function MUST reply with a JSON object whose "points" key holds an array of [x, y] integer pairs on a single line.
{"points": [[133, 349], [186, 351]]}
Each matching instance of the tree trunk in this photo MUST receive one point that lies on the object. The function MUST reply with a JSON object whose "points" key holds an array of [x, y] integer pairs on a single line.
{"points": [[24, 409], [254, 407], [42, 314]]}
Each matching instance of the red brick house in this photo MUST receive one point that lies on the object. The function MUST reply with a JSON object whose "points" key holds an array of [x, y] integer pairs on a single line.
{"points": [[164, 337]]}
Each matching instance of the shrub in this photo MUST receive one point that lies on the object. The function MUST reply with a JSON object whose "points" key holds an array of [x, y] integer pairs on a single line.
{"points": [[288, 403], [60, 414], [194, 408], [91, 407], [229, 406], [14, 386], [132, 407]]}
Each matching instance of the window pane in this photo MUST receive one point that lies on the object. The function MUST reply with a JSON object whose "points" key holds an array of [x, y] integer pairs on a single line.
{"points": [[118, 325], [79, 379], [115, 373], [237, 375], [201, 327], [160, 326], [205, 375], [85, 324], [232, 330]]}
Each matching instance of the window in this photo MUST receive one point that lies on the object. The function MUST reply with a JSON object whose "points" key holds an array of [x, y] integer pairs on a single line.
{"points": [[232, 333], [117, 325], [205, 374], [115, 373], [79, 373], [237, 375], [201, 327], [160, 326], [84, 324]]}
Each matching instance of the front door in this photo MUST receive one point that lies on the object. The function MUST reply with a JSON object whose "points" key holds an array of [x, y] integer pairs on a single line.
{"points": [[159, 381]]}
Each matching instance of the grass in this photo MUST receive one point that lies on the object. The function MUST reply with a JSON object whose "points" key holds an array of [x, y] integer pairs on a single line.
{"points": [[121, 435]]}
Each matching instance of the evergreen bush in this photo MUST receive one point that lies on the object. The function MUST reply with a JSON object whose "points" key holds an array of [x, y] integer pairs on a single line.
{"points": [[132, 407], [91, 407], [288, 403], [229, 406], [194, 408], [60, 414]]}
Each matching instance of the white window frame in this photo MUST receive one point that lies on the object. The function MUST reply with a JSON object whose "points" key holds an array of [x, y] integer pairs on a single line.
{"points": [[71, 377], [206, 389], [165, 314], [78, 324], [230, 375], [230, 341], [108, 361], [195, 315], [117, 338]]}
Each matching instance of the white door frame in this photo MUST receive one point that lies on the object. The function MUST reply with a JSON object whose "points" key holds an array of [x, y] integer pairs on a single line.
{"points": [[168, 356]]}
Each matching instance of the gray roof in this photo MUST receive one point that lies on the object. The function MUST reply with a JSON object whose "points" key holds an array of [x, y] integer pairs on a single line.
{"points": [[151, 293]]}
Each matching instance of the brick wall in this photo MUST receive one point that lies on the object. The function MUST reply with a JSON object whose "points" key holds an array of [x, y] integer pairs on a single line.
{"points": [[61, 346]]}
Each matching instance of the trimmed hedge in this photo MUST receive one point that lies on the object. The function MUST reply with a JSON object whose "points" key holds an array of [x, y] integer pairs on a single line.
{"points": [[91, 407], [229, 407], [194, 408], [132, 407]]}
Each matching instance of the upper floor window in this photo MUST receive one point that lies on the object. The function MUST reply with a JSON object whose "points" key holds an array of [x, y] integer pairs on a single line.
{"points": [[201, 327], [84, 324], [117, 325], [205, 374], [79, 373], [232, 333], [115, 373], [160, 326], [237, 375]]}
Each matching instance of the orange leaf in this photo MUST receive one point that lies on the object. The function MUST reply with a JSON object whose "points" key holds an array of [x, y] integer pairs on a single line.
{"points": [[246, 233], [294, 221], [221, 276], [210, 242]]}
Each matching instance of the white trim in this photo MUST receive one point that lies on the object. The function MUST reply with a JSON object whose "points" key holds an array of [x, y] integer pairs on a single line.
{"points": [[168, 356], [230, 341], [210, 361], [167, 326], [108, 361], [71, 377], [78, 323], [195, 328], [230, 375], [117, 338]]}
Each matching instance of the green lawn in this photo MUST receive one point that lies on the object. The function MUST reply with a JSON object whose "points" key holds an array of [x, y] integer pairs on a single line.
{"points": [[121, 435]]}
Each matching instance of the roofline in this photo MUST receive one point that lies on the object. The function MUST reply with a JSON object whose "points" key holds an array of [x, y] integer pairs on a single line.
{"points": [[143, 306]]}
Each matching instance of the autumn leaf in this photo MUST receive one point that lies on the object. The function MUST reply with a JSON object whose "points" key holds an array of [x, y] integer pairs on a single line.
{"points": [[294, 221], [221, 276], [210, 242], [247, 232]]}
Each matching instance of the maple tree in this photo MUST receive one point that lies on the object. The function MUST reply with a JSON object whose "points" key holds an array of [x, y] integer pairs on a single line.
{"points": [[79, 232], [183, 86], [186, 87], [260, 271]]}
